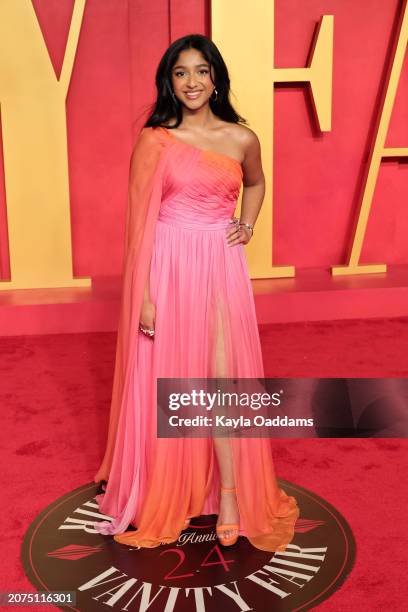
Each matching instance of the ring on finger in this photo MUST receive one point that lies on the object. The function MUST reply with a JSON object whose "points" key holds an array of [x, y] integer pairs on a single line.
{"points": [[146, 331]]}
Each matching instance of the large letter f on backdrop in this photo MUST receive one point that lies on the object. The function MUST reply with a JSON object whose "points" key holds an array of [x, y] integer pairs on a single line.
{"points": [[245, 33]]}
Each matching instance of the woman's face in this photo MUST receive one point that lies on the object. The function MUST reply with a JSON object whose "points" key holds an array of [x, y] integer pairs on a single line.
{"points": [[191, 79]]}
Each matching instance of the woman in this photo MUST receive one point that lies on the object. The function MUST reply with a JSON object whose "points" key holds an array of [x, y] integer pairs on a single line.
{"points": [[187, 311]]}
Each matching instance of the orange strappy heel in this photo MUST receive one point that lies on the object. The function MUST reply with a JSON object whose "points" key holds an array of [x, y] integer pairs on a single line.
{"points": [[221, 529]]}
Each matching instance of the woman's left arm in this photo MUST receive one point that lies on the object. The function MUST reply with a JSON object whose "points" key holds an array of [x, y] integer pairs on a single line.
{"points": [[253, 190]]}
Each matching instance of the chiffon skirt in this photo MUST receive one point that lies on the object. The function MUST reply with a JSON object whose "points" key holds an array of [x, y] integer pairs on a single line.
{"points": [[205, 327]]}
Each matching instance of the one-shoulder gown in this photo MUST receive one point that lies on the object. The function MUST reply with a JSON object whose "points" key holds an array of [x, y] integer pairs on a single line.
{"points": [[205, 326]]}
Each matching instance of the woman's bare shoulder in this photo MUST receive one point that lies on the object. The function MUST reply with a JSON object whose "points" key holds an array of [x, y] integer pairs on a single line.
{"points": [[245, 140], [244, 136]]}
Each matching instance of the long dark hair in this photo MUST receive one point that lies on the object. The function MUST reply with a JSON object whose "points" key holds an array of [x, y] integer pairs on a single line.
{"points": [[166, 107]]}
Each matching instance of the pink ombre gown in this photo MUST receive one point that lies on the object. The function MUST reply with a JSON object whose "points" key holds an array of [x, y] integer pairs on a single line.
{"points": [[205, 327]]}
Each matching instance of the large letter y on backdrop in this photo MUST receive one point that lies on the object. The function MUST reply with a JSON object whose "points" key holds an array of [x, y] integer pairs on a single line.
{"points": [[35, 149]]}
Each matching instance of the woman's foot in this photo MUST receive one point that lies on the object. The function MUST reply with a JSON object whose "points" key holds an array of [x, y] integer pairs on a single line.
{"points": [[228, 517]]}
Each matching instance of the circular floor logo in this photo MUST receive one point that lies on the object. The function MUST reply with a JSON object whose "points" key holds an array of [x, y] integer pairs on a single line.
{"points": [[62, 552]]}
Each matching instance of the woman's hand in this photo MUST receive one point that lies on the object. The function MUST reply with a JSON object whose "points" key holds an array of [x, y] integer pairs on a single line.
{"points": [[147, 318], [238, 234]]}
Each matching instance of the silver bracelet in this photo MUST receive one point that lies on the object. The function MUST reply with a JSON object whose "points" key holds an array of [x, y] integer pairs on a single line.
{"points": [[249, 226]]}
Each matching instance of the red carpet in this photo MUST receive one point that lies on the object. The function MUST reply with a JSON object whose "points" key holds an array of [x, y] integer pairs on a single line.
{"points": [[55, 393]]}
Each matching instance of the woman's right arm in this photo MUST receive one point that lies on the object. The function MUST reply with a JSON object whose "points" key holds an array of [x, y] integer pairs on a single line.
{"points": [[144, 193], [148, 310]]}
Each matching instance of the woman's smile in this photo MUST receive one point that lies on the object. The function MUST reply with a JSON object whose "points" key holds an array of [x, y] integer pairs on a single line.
{"points": [[192, 95]]}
